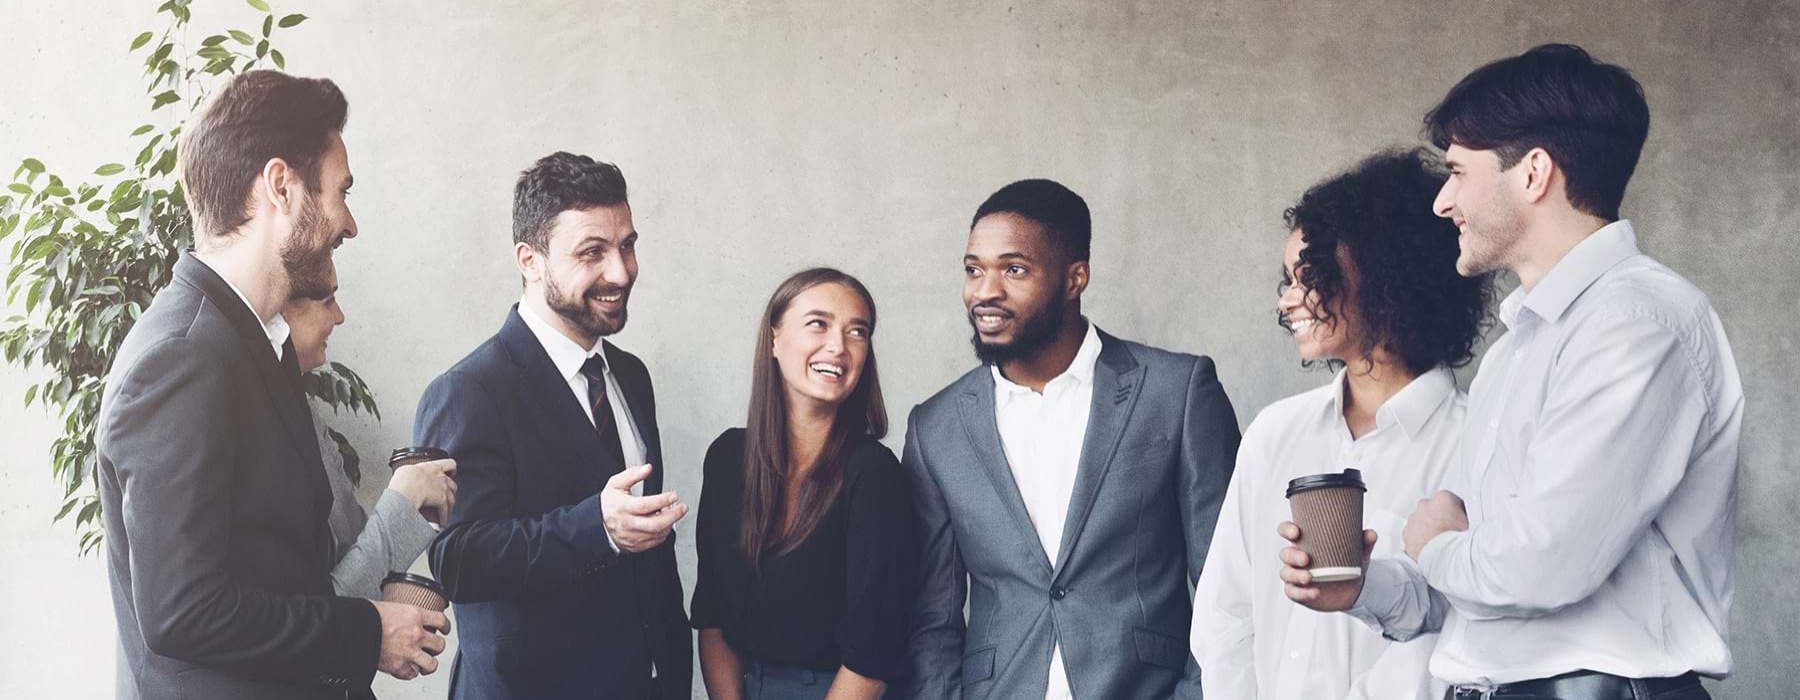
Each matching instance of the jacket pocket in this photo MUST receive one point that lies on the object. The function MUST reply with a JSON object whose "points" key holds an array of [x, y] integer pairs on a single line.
{"points": [[978, 665], [1159, 649]]}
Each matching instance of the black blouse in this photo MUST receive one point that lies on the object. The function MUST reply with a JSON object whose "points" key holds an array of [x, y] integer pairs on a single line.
{"points": [[841, 598]]}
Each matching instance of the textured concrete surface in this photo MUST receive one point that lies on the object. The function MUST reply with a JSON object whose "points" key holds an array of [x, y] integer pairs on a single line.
{"points": [[760, 137]]}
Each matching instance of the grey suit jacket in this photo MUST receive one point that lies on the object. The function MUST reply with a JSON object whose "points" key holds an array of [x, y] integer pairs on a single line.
{"points": [[215, 504], [1158, 453]]}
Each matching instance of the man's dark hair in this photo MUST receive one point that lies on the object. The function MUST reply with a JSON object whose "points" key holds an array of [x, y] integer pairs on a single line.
{"points": [[256, 117], [1063, 214], [557, 183], [1376, 220], [1589, 116]]}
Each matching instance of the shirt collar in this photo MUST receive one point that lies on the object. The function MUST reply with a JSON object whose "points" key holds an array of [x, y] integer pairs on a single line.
{"points": [[1080, 371], [1572, 275], [1411, 407], [565, 354], [276, 329]]}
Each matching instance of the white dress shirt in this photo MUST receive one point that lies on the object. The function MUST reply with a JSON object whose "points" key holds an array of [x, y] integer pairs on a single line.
{"points": [[1598, 467], [276, 329], [1251, 641], [1042, 435], [568, 358]]}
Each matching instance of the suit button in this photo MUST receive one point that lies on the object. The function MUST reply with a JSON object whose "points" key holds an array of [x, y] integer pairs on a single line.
{"points": [[1059, 593]]}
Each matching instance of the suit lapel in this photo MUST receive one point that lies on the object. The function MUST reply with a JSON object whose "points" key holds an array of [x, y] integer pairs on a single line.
{"points": [[281, 379], [562, 419], [639, 402], [1117, 378], [983, 428]]}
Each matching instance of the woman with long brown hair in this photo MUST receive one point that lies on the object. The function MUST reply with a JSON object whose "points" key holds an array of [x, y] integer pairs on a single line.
{"points": [[805, 537]]}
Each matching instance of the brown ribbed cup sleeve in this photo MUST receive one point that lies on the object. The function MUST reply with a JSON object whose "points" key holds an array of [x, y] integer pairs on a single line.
{"points": [[1330, 521], [414, 595]]}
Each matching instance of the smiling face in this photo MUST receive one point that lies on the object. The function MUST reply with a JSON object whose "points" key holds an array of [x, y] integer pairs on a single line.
{"points": [[1017, 287], [322, 223], [1319, 333], [821, 345], [586, 274], [1477, 198], [311, 321]]}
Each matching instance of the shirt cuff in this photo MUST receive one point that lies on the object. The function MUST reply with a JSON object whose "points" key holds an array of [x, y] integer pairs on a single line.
{"points": [[1384, 587], [1436, 556]]}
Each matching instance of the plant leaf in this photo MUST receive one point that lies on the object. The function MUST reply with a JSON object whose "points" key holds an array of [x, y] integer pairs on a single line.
{"points": [[20, 188], [280, 62], [242, 37], [292, 20], [110, 169], [213, 40], [145, 129], [259, 4], [262, 48], [141, 40], [31, 165], [268, 25]]}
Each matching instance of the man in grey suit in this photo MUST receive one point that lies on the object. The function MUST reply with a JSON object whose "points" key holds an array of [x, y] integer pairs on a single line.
{"points": [[214, 496], [1070, 483]]}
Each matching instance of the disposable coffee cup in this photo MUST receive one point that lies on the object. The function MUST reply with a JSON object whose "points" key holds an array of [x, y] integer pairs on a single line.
{"points": [[1329, 509], [415, 455], [415, 590]]}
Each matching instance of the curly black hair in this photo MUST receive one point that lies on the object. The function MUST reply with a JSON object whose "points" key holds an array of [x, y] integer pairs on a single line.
{"points": [[1408, 298]]}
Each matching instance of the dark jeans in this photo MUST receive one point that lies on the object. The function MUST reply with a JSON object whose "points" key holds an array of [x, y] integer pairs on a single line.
{"points": [[770, 682]]}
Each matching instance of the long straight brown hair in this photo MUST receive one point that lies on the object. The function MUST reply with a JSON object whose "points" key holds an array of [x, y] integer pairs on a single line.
{"points": [[763, 526]]}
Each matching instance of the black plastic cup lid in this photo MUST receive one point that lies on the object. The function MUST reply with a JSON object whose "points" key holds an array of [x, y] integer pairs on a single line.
{"points": [[415, 579], [419, 453], [1351, 478]]}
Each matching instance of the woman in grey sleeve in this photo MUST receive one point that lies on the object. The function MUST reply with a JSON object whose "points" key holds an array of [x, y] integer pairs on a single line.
{"points": [[367, 545]]}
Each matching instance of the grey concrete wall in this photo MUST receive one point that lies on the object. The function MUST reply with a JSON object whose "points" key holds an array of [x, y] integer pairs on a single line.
{"points": [[760, 137]]}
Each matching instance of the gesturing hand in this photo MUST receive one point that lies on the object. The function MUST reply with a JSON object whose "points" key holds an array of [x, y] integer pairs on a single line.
{"points": [[637, 523]]}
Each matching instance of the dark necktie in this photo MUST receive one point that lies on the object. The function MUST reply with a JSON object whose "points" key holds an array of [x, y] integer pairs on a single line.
{"points": [[610, 439]]}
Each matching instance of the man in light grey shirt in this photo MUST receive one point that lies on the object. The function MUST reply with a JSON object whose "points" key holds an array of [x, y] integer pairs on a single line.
{"points": [[1584, 547]]}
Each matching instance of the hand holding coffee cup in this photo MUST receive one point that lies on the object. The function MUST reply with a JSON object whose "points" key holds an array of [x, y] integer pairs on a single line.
{"points": [[425, 476], [1328, 509], [1296, 575]]}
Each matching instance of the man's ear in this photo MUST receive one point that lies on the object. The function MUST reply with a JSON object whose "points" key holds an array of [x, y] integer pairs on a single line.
{"points": [[1078, 278], [526, 258], [1540, 173], [281, 187]]}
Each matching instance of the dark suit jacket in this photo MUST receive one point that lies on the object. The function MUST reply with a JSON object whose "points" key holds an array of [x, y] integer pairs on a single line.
{"points": [[545, 608], [215, 509], [1158, 453]]}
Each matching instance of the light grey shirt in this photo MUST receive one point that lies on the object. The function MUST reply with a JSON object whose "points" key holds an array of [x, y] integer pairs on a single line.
{"points": [[1598, 466], [368, 546]]}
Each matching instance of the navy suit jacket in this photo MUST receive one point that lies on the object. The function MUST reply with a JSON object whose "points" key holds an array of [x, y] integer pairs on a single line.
{"points": [[545, 608]]}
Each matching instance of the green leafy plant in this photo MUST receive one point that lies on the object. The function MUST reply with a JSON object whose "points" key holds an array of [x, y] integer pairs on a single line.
{"points": [[88, 257]]}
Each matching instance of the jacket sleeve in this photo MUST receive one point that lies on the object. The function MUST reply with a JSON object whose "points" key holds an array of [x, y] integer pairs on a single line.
{"points": [[485, 553], [174, 483], [1209, 445], [938, 627]]}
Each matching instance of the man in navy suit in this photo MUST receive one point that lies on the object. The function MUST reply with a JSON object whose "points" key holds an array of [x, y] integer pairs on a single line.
{"points": [[559, 555]]}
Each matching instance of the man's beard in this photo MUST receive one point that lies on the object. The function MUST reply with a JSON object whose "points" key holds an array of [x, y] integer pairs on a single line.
{"points": [[575, 310], [1033, 334], [306, 256]]}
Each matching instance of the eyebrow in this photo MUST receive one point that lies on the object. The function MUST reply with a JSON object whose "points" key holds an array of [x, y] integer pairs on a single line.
{"points": [[1002, 256]]}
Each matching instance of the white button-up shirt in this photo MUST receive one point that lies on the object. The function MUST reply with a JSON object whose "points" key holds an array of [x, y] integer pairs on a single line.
{"points": [[568, 358], [1598, 468], [1251, 641], [1042, 435]]}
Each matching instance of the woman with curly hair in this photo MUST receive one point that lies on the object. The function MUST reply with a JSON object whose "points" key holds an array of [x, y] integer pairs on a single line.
{"points": [[1369, 289]]}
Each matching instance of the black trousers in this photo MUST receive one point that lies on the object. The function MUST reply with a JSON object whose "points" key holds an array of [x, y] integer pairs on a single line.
{"points": [[1588, 685]]}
